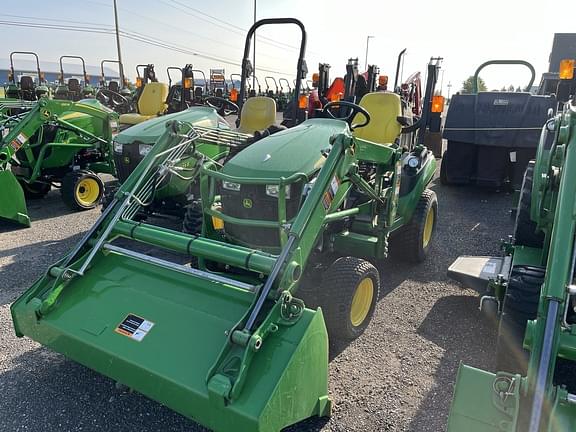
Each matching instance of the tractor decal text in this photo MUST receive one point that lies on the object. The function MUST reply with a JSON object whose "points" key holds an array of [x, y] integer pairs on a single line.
{"points": [[19, 141], [134, 327], [330, 193]]}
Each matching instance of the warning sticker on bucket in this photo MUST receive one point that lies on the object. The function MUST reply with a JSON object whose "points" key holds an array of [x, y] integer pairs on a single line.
{"points": [[134, 327]]}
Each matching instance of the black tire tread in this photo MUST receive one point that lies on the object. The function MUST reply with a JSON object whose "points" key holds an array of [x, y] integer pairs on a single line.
{"points": [[337, 290], [520, 305], [69, 182], [406, 244], [525, 233], [36, 190]]}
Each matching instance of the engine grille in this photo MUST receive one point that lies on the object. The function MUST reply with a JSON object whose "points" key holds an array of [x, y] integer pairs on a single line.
{"points": [[127, 161], [263, 207]]}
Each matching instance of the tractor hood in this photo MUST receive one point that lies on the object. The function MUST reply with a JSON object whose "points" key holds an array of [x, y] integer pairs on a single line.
{"points": [[295, 150], [149, 131]]}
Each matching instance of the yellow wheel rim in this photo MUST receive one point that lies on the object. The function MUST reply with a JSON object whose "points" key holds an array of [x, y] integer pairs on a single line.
{"points": [[428, 227], [87, 191], [362, 301]]}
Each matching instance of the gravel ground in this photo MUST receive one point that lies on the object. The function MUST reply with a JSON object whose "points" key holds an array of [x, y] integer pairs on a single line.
{"points": [[397, 377]]}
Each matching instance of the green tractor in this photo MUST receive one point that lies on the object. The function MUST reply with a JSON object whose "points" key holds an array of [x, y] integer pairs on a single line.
{"points": [[256, 119], [55, 143], [532, 293], [230, 344], [25, 87], [72, 89], [114, 94]]}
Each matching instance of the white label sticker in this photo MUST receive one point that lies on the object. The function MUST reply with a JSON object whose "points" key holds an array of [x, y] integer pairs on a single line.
{"points": [[513, 156], [134, 327], [490, 267]]}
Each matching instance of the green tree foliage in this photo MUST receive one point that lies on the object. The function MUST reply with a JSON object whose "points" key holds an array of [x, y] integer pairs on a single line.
{"points": [[467, 85]]}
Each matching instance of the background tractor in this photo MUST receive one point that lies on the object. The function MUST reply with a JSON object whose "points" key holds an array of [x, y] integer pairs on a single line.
{"points": [[114, 94], [530, 290], [25, 87], [55, 143], [72, 88]]}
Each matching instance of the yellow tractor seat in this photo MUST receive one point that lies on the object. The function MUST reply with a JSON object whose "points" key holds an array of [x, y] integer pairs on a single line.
{"points": [[258, 113], [151, 103], [384, 109]]}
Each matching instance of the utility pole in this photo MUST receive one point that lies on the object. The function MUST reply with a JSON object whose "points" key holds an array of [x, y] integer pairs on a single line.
{"points": [[366, 60], [254, 54], [442, 82], [120, 65]]}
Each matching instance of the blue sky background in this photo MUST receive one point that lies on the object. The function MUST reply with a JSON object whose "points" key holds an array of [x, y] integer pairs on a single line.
{"points": [[465, 33]]}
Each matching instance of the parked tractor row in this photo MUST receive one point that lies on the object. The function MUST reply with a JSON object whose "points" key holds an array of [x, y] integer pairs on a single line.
{"points": [[226, 316]]}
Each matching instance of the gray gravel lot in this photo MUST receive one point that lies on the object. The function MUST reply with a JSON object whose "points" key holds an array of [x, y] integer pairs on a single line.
{"points": [[397, 377]]}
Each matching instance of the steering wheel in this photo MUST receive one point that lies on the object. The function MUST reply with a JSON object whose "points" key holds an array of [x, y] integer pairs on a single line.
{"points": [[353, 110], [113, 100], [220, 104]]}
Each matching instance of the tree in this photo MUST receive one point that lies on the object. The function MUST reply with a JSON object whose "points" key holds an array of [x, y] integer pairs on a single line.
{"points": [[511, 88], [503, 89], [467, 86]]}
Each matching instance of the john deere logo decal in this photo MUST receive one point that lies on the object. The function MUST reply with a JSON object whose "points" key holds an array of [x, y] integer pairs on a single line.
{"points": [[247, 203]]}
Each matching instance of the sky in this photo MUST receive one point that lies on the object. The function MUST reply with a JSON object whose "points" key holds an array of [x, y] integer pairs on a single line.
{"points": [[210, 33]]}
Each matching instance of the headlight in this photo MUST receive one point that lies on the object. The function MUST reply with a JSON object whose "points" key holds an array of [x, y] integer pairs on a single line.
{"points": [[118, 147], [231, 186], [413, 162], [144, 149], [272, 190]]}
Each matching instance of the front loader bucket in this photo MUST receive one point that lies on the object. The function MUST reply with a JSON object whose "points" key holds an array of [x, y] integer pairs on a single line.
{"points": [[160, 327], [12, 201]]}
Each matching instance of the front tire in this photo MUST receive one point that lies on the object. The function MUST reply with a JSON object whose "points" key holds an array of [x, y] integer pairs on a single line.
{"points": [[348, 295], [36, 190], [525, 233], [82, 190], [520, 305]]}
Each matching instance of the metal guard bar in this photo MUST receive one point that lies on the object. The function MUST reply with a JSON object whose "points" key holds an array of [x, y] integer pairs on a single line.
{"points": [[281, 181], [178, 267], [237, 256]]}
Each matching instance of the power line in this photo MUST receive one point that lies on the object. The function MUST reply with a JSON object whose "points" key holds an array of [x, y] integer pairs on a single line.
{"points": [[225, 24], [133, 36]]}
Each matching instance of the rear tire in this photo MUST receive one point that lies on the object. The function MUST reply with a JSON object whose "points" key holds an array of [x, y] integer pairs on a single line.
{"points": [[520, 306], [412, 242], [525, 233], [36, 190], [348, 295], [82, 190]]}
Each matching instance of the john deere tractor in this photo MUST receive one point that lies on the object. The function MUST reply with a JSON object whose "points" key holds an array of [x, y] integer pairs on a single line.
{"points": [[240, 350], [256, 118], [532, 292], [72, 89], [55, 143], [25, 87]]}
